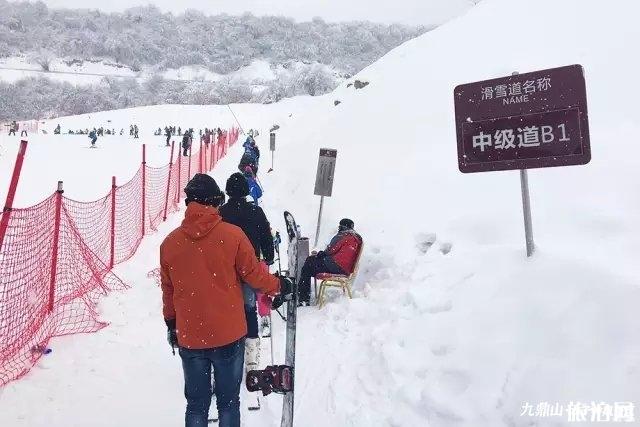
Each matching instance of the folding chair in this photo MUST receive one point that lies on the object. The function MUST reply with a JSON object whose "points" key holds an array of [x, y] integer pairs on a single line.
{"points": [[342, 281]]}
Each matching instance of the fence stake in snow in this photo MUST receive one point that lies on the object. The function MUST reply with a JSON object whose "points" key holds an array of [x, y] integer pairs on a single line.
{"points": [[200, 158], [324, 181], [13, 186], [166, 201], [113, 223], [54, 247], [189, 166], [144, 185], [179, 181]]}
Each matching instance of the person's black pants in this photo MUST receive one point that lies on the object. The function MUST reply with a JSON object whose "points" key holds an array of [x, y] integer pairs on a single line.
{"points": [[312, 266]]}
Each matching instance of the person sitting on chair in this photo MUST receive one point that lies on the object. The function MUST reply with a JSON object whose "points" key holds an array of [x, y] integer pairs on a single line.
{"points": [[338, 258]]}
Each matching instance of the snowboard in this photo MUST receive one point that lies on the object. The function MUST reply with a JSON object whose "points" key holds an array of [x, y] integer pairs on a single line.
{"points": [[293, 235], [280, 378]]}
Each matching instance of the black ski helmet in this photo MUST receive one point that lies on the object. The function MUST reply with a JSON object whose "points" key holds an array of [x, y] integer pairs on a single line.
{"points": [[345, 224], [203, 189], [237, 185]]}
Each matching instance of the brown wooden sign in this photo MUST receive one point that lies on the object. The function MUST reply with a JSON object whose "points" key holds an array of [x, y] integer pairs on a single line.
{"points": [[531, 120]]}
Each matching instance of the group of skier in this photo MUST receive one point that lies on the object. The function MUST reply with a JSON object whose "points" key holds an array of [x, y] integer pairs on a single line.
{"points": [[248, 166], [206, 282], [14, 127]]}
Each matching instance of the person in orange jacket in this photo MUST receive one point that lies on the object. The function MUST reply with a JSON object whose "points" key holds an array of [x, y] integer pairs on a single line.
{"points": [[202, 265]]}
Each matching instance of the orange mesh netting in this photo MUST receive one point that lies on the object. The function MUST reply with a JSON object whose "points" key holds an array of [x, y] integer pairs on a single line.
{"points": [[56, 257]]}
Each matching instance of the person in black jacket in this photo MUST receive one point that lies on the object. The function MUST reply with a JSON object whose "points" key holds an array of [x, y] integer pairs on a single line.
{"points": [[252, 220], [186, 144]]}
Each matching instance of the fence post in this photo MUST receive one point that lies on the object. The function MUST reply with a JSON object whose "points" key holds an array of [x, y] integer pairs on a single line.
{"points": [[200, 157], [15, 177], [144, 185], [166, 201], [189, 168], [113, 223], [177, 200], [212, 150], [54, 247]]}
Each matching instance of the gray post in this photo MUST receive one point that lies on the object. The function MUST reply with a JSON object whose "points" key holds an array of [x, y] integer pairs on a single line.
{"points": [[526, 206], [315, 244], [526, 210]]}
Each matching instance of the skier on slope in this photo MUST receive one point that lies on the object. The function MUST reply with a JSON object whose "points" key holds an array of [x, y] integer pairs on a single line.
{"points": [[167, 133], [186, 144], [251, 156], [13, 128], [93, 137], [135, 131], [252, 220], [202, 300], [255, 191], [338, 258]]}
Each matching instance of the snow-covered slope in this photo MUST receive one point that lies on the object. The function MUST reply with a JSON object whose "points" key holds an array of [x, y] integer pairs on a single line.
{"points": [[451, 325], [467, 338]]}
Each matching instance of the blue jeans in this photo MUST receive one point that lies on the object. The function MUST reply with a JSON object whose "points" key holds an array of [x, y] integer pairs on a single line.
{"points": [[250, 310], [227, 362]]}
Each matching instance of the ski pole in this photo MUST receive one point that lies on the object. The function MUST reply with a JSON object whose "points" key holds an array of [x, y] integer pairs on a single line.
{"points": [[234, 116], [276, 244]]}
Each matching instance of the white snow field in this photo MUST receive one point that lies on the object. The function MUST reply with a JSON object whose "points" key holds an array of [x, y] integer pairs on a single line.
{"points": [[451, 324]]}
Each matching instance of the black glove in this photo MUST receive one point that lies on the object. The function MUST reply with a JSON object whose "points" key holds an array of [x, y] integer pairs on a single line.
{"points": [[172, 335], [321, 254], [277, 302], [286, 289], [286, 286]]}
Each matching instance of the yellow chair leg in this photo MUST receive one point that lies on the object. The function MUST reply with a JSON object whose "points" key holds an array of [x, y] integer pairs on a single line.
{"points": [[349, 291], [320, 300]]}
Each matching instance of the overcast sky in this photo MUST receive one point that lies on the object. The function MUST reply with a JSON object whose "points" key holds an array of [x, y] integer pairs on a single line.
{"points": [[404, 11]]}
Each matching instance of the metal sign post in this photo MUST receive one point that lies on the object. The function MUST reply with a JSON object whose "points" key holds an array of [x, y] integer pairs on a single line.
{"points": [[526, 207], [324, 181], [272, 147], [526, 210], [523, 121]]}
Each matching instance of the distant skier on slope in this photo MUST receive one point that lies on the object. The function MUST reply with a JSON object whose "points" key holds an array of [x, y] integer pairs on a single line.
{"points": [[93, 137], [255, 191], [13, 128], [252, 220], [202, 298], [167, 133], [251, 156], [186, 144], [338, 258]]}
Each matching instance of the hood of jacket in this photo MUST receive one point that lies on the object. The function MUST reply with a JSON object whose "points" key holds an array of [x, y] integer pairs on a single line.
{"points": [[199, 220]]}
